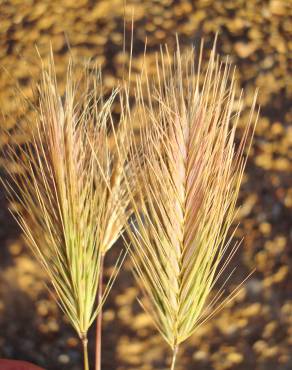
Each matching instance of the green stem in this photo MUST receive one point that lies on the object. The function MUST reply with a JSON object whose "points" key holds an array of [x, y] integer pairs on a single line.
{"points": [[175, 350], [99, 319], [85, 352]]}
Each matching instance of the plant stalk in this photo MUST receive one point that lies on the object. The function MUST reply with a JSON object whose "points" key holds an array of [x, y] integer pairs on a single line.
{"points": [[99, 318], [174, 354], [85, 352]]}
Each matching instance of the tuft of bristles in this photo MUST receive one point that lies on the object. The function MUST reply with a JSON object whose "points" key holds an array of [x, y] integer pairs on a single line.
{"points": [[187, 186], [71, 203]]}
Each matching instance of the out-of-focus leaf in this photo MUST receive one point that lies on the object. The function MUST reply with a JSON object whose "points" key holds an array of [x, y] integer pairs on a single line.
{"points": [[17, 365]]}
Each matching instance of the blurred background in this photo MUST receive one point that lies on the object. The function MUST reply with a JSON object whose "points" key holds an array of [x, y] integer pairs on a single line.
{"points": [[255, 330]]}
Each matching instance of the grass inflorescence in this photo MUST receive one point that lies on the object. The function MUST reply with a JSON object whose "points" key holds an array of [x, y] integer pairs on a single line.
{"points": [[187, 186], [82, 176]]}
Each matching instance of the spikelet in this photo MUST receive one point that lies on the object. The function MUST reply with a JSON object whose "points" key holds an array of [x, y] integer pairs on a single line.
{"points": [[111, 151], [187, 186], [61, 190]]}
